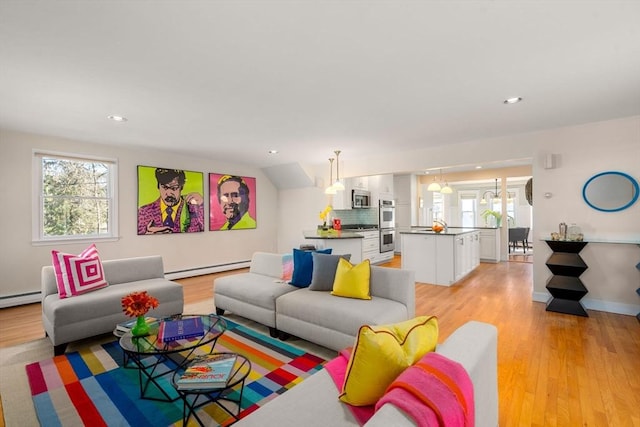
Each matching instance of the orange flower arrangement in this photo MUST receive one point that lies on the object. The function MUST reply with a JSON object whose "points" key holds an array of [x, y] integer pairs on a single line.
{"points": [[138, 303]]}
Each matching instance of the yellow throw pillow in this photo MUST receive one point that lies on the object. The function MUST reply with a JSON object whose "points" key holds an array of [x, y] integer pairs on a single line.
{"points": [[381, 353], [352, 281]]}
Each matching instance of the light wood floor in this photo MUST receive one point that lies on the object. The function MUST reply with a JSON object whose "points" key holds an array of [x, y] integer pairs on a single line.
{"points": [[554, 369]]}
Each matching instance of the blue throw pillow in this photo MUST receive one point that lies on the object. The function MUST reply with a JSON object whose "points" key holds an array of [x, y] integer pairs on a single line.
{"points": [[303, 267]]}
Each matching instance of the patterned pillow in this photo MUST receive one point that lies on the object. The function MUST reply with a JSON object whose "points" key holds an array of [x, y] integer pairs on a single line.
{"points": [[287, 267], [78, 274]]}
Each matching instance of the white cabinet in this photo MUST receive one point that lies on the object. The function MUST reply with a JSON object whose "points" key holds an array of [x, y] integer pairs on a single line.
{"points": [[381, 188], [385, 256], [490, 244], [467, 254], [440, 259], [370, 245], [342, 199], [359, 182], [419, 254]]}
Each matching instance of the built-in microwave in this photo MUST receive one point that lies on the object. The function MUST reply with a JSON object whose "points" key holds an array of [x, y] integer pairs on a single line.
{"points": [[360, 199]]}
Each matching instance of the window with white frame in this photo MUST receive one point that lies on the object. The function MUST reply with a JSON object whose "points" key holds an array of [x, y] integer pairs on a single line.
{"points": [[76, 197], [468, 209], [438, 207], [496, 205]]}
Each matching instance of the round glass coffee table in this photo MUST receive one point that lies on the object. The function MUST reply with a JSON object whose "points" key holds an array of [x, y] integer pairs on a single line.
{"points": [[148, 353], [195, 398]]}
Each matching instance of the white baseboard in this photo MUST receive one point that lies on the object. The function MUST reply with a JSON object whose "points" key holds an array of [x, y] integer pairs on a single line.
{"points": [[13, 300], [595, 304], [171, 275]]}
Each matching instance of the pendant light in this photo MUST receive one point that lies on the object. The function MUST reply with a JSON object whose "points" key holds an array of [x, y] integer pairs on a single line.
{"points": [[434, 186], [495, 195], [338, 185], [446, 189], [330, 189]]}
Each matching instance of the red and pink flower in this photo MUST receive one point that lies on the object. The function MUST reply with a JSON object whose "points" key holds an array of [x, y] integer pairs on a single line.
{"points": [[138, 303]]}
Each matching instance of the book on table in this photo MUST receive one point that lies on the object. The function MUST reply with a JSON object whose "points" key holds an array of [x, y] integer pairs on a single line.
{"points": [[172, 330], [210, 371], [128, 324]]}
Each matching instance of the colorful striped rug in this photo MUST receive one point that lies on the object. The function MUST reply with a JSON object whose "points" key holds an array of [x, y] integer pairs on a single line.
{"points": [[91, 387]]}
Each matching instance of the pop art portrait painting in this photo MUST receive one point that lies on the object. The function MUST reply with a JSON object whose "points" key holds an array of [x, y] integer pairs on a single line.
{"points": [[232, 202], [170, 201]]}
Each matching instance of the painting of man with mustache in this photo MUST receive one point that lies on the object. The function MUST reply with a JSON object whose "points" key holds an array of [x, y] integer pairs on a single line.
{"points": [[179, 204]]}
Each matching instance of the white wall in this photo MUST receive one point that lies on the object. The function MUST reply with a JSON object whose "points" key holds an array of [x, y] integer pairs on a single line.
{"points": [[584, 151], [21, 261], [298, 210]]}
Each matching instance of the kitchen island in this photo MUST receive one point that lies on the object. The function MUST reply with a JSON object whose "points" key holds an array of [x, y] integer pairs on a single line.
{"points": [[440, 258], [341, 242]]}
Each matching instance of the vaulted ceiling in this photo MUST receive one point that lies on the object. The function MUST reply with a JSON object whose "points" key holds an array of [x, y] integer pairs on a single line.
{"points": [[234, 79]]}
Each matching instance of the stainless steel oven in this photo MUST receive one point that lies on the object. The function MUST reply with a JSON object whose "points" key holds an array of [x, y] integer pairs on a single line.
{"points": [[387, 239], [387, 223], [387, 216]]}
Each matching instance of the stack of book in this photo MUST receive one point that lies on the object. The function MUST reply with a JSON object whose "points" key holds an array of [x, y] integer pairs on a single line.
{"points": [[207, 372], [172, 330]]}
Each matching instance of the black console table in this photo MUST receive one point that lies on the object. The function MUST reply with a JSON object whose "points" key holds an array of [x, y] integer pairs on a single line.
{"points": [[565, 286], [638, 292]]}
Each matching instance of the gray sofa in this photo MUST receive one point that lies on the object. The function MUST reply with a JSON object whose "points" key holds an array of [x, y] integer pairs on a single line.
{"points": [[314, 402], [69, 319], [316, 316]]}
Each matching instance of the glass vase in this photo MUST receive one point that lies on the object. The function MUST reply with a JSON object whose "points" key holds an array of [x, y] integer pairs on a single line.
{"points": [[141, 328]]}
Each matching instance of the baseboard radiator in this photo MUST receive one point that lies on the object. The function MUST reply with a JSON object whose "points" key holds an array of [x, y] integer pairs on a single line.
{"points": [[199, 271], [33, 297]]}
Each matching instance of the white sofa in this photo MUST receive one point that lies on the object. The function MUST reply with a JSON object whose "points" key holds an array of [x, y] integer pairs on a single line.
{"points": [[316, 316], [314, 402], [70, 319]]}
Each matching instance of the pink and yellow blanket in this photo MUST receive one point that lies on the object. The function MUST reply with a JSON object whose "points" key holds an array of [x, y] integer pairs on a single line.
{"points": [[436, 391]]}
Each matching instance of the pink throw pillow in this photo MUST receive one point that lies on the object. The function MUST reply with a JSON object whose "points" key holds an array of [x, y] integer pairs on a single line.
{"points": [[78, 274], [287, 267]]}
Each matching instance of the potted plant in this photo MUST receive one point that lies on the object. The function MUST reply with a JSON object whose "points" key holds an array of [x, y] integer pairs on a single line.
{"points": [[489, 213]]}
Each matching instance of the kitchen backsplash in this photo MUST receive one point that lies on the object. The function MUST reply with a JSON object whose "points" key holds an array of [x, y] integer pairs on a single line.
{"points": [[357, 216]]}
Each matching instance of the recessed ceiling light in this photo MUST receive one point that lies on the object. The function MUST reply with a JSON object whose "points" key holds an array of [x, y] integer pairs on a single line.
{"points": [[273, 151], [513, 100], [117, 118], [478, 167]]}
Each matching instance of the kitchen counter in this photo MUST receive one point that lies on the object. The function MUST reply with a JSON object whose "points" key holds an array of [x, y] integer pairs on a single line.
{"points": [[331, 234], [452, 231], [456, 227]]}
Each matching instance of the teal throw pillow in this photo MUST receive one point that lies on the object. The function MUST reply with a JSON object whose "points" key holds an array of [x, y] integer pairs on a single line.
{"points": [[303, 267]]}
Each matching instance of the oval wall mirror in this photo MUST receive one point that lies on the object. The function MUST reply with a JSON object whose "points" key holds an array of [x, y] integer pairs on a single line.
{"points": [[610, 191]]}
